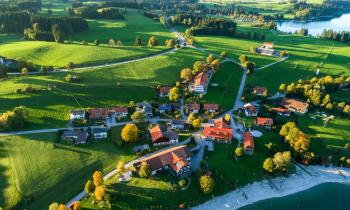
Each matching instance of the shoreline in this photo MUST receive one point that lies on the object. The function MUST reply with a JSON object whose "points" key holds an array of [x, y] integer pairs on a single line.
{"points": [[283, 186]]}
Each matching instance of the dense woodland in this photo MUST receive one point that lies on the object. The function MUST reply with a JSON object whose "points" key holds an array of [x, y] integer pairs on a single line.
{"points": [[96, 12]]}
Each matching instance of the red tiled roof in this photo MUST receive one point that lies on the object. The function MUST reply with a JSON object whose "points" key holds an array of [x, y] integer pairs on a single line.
{"points": [[164, 90], [156, 133], [294, 104], [175, 157], [250, 107], [248, 140], [211, 106], [120, 109], [193, 106], [201, 79], [217, 133], [264, 121], [221, 123], [259, 90], [99, 113]]}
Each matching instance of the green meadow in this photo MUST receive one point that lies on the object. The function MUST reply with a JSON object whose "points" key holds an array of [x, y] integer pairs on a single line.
{"points": [[35, 173], [58, 55], [98, 87]]}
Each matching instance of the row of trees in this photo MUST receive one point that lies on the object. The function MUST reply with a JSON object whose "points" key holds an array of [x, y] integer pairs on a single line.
{"points": [[94, 12], [318, 92], [14, 119], [342, 36]]}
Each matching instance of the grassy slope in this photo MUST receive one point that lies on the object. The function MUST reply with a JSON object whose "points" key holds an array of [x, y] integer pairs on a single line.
{"points": [[325, 140], [50, 53], [32, 170], [228, 79], [305, 54], [97, 87]]}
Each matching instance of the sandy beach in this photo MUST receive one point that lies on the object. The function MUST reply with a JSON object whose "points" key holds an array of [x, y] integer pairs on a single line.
{"points": [[283, 186]]}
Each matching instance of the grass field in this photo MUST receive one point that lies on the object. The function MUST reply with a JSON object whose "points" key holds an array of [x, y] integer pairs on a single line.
{"points": [[54, 54], [34, 174], [329, 139], [98, 87], [227, 79]]}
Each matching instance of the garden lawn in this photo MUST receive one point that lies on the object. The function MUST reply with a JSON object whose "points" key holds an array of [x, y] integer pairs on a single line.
{"points": [[227, 79], [326, 140], [34, 173], [58, 55], [97, 87]]}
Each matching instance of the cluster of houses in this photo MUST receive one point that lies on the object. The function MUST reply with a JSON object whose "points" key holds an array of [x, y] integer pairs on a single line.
{"points": [[98, 113], [267, 49], [196, 108], [81, 136]]}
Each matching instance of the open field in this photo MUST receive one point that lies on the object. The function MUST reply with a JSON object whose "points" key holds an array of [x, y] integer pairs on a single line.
{"points": [[54, 54], [227, 79], [97, 87], [305, 54], [34, 173], [326, 140]]}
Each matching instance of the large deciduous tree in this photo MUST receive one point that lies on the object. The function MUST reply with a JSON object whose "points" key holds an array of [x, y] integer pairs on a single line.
{"points": [[207, 184], [130, 133]]}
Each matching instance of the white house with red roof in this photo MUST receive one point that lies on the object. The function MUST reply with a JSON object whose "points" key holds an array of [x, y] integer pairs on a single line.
{"points": [[211, 108], [248, 142], [250, 110], [163, 136], [266, 123]]}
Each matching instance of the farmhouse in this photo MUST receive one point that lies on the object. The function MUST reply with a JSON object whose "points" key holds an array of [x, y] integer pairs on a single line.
{"points": [[295, 105], [268, 45], [250, 110], [191, 108], [248, 142], [221, 123], [120, 111], [218, 135], [75, 136], [259, 91], [211, 108], [200, 82], [145, 108], [177, 160], [164, 91], [163, 136], [99, 133], [99, 113], [267, 49], [264, 122], [77, 115], [281, 111]]}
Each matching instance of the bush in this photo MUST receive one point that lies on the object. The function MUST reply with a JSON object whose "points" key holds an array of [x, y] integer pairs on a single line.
{"points": [[97, 42], [182, 183], [84, 42], [70, 66]]}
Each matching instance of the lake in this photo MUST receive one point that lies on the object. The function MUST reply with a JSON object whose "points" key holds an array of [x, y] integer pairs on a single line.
{"points": [[341, 23], [328, 196]]}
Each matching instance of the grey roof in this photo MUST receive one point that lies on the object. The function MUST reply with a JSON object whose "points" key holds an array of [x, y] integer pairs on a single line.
{"points": [[77, 112], [99, 130]]}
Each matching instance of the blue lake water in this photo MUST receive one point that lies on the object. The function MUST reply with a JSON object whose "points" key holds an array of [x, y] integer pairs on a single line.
{"points": [[341, 23], [328, 196]]}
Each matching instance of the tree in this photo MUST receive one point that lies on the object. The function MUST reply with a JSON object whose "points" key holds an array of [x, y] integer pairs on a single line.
{"points": [[24, 71], [227, 117], [111, 42], [138, 41], [121, 167], [346, 110], [268, 165], [329, 106], [99, 193], [77, 205], [199, 66], [58, 33], [250, 67], [196, 123], [286, 128], [43, 70], [191, 117], [152, 41], [97, 42], [207, 184], [145, 170], [215, 64], [239, 151], [174, 94], [282, 88], [61, 207], [130, 133], [98, 178], [243, 59], [210, 58], [3, 71], [89, 187], [281, 160], [223, 54], [14, 119], [186, 74], [70, 66], [170, 43], [138, 116], [53, 206], [291, 88]]}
